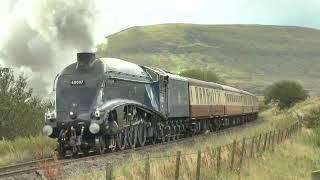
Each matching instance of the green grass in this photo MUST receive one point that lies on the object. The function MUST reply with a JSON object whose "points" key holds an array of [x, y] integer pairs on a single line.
{"points": [[247, 56], [25, 148], [293, 159]]}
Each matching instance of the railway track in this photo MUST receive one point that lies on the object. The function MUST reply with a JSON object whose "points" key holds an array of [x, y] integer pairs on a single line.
{"points": [[33, 166]]}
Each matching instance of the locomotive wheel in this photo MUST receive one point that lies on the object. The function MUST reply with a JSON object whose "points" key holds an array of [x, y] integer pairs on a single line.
{"points": [[121, 140], [161, 135], [142, 134], [173, 132], [167, 133], [178, 132], [100, 144], [112, 143], [154, 138], [132, 136]]}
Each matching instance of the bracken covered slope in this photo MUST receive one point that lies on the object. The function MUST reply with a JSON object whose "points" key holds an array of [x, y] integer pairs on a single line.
{"points": [[246, 56]]}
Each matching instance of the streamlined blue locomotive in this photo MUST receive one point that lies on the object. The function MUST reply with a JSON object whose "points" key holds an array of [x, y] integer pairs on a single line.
{"points": [[107, 104]]}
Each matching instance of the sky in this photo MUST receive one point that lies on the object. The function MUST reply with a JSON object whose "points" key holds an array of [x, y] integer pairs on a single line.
{"points": [[40, 37]]}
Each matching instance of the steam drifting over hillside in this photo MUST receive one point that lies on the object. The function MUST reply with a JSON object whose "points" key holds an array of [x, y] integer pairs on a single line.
{"points": [[45, 35]]}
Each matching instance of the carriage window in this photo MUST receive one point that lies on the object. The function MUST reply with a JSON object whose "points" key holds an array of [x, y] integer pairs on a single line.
{"points": [[191, 97], [206, 96], [200, 96], [204, 93], [197, 95], [203, 96]]}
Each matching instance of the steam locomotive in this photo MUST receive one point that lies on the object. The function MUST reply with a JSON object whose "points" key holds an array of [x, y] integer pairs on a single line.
{"points": [[108, 104]]}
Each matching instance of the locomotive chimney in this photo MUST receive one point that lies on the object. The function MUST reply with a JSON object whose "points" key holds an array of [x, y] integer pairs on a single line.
{"points": [[85, 59]]}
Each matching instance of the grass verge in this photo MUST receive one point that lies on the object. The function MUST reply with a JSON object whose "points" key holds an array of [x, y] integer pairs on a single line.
{"points": [[25, 148]]}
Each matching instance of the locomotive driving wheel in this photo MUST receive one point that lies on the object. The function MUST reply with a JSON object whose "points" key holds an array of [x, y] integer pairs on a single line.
{"points": [[142, 134], [112, 143], [131, 136], [122, 140]]}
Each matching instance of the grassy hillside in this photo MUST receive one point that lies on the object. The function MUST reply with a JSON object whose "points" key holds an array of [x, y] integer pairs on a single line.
{"points": [[247, 56]]}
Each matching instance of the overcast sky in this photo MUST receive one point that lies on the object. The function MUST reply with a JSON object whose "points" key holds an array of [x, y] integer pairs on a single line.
{"points": [[115, 15], [42, 36], [120, 14]]}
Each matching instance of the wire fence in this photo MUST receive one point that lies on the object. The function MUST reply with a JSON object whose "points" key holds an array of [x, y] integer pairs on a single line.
{"points": [[208, 163]]}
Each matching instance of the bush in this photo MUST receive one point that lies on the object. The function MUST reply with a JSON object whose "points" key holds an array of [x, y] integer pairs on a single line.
{"points": [[263, 106], [312, 119], [204, 75], [21, 114], [285, 93]]}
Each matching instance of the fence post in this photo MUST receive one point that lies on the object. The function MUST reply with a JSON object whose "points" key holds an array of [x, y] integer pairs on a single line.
{"points": [[252, 147], [109, 171], [147, 168], [242, 152], [269, 140], [198, 165], [218, 160], [232, 154], [274, 134], [265, 141], [178, 164], [259, 143]]}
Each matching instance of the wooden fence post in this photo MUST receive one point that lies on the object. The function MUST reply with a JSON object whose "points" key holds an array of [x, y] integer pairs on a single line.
{"points": [[265, 141], [269, 140], [278, 141], [198, 165], [219, 160], [252, 147], [274, 134], [178, 165], [232, 154], [147, 168], [259, 143], [242, 152], [109, 171]]}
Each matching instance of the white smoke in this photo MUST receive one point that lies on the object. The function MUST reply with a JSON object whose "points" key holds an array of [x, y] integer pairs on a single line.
{"points": [[45, 35]]}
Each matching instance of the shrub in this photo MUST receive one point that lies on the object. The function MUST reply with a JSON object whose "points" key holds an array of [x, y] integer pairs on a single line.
{"points": [[312, 119], [204, 75], [263, 106], [285, 93], [21, 113]]}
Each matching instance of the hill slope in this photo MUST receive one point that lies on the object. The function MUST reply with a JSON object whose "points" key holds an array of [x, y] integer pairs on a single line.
{"points": [[246, 56]]}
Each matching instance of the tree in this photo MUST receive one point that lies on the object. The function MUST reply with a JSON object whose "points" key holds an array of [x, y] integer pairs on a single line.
{"points": [[21, 114], [285, 93], [205, 75]]}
